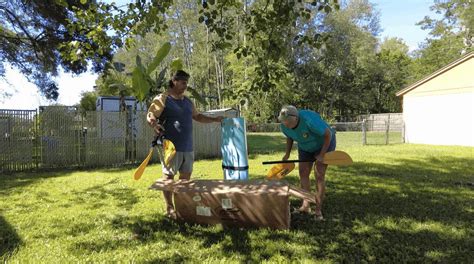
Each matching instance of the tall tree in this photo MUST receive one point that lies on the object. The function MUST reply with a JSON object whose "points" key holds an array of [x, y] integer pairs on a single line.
{"points": [[38, 36], [334, 78], [450, 36], [388, 73]]}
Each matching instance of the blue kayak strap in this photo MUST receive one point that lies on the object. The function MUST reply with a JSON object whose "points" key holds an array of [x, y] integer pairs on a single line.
{"points": [[235, 168]]}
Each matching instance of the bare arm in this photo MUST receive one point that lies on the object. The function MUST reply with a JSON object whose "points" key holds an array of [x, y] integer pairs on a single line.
{"points": [[203, 118], [289, 146], [324, 148], [154, 112]]}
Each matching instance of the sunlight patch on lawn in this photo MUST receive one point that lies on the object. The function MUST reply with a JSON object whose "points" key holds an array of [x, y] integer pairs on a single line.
{"points": [[413, 226], [436, 255]]}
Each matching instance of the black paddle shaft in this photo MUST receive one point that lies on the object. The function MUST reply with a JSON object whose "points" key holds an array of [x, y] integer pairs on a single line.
{"points": [[158, 140], [285, 161]]}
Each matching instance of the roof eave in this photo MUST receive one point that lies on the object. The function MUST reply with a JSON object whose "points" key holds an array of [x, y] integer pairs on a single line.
{"points": [[435, 74]]}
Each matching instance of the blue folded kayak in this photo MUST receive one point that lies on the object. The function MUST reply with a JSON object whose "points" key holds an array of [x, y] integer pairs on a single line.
{"points": [[234, 149]]}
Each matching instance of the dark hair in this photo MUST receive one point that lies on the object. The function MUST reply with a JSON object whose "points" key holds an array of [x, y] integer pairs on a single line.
{"points": [[178, 75]]}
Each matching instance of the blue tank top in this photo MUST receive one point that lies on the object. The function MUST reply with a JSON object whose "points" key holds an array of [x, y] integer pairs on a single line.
{"points": [[177, 118]]}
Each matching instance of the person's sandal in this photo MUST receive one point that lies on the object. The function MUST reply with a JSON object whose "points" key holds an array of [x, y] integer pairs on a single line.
{"points": [[171, 213], [298, 211], [319, 217]]}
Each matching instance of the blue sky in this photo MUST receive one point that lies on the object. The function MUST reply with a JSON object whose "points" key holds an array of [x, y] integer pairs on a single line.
{"points": [[397, 19]]}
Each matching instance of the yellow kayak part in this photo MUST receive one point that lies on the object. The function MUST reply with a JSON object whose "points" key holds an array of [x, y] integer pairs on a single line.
{"points": [[280, 170], [166, 152], [169, 151], [139, 171], [337, 157]]}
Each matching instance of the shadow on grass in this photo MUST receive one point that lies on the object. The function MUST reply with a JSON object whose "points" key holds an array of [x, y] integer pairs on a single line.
{"points": [[15, 180], [96, 195], [175, 235], [409, 211], [21, 179], [9, 240]]}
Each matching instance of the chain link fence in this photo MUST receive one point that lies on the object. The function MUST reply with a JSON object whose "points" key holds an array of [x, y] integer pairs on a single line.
{"points": [[62, 137], [366, 132]]}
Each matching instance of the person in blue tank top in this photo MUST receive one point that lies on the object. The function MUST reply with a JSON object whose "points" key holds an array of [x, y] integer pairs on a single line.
{"points": [[172, 113], [315, 137]]}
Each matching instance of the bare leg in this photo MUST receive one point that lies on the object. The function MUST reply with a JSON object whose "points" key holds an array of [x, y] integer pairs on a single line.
{"points": [[304, 171], [169, 198], [185, 175], [170, 211], [320, 173]]}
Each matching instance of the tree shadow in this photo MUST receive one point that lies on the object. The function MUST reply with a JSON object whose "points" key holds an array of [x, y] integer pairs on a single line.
{"points": [[13, 181], [161, 229], [9, 240], [409, 211], [95, 195]]}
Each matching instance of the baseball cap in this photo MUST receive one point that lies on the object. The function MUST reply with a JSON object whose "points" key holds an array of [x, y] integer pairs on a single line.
{"points": [[287, 111]]}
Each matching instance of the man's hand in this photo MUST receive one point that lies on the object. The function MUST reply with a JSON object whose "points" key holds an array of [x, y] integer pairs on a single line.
{"points": [[159, 129], [151, 119]]}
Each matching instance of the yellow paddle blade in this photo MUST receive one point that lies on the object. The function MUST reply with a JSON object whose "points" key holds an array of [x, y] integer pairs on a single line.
{"points": [[139, 171], [337, 157], [169, 151], [280, 170]]}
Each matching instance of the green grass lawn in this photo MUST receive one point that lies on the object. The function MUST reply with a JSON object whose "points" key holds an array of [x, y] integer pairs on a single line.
{"points": [[397, 203]]}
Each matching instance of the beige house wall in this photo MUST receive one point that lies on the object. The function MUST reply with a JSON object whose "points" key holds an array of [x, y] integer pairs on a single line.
{"points": [[441, 110], [446, 119], [459, 79]]}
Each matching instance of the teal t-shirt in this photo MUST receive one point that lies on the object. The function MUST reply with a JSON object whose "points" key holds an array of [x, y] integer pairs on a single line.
{"points": [[309, 133]]}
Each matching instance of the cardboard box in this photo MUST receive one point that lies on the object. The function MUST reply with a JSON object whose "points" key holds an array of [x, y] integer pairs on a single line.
{"points": [[253, 203]]}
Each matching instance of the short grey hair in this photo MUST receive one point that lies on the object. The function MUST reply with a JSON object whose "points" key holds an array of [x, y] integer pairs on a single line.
{"points": [[287, 111]]}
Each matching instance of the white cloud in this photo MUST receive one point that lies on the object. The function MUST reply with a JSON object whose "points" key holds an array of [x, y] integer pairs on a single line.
{"points": [[71, 87], [25, 95]]}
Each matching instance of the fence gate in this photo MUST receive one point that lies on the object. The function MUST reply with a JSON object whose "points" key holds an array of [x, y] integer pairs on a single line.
{"points": [[60, 130], [18, 149]]}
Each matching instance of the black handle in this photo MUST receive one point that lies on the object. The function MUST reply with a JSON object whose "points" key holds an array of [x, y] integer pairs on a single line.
{"points": [[158, 140]]}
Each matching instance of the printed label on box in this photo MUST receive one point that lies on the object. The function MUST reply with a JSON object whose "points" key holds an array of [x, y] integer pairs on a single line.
{"points": [[203, 210], [226, 203]]}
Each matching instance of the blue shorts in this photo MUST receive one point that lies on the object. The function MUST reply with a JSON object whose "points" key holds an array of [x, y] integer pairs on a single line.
{"points": [[182, 162], [304, 155]]}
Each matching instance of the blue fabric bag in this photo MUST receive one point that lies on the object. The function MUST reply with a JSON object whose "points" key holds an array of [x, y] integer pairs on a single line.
{"points": [[234, 149]]}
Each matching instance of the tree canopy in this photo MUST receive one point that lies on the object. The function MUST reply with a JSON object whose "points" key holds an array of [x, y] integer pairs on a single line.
{"points": [[38, 36], [324, 55]]}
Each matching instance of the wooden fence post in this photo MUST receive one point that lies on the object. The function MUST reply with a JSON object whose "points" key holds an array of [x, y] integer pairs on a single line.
{"points": [[403, 131], [364, 132]]}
